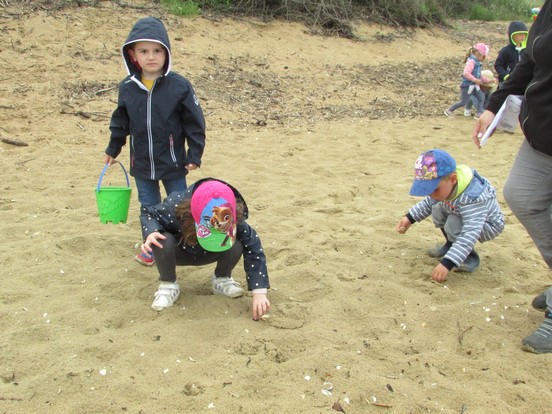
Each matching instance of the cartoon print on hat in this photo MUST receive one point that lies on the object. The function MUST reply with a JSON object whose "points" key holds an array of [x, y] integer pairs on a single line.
{"points": [[214, 211], [429, 168], [216, 232]]}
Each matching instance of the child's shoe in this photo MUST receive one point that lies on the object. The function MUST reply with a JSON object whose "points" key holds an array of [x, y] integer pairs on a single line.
{"points": [[145, 259], [166, 295], [539, 302], [448, 113], [540, 341], [439, 250], [471, 263], [226, 286], [467, 112]]}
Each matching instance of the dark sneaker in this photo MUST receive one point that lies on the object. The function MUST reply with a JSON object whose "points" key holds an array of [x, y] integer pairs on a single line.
{"points": [[145, 259], [539, 302], [540, 341], [471, 263], [439, 250]]}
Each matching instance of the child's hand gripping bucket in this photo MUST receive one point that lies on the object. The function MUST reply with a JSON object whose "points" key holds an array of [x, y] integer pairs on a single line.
{"points": [[113, 202]]}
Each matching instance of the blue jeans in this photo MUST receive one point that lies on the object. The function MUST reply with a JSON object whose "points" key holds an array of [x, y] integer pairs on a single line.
{"points": [[149, 192]]}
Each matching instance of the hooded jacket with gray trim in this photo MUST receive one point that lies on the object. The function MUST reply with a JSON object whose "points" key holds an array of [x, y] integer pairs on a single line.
{"points": [[509, 55], [160, 122]]}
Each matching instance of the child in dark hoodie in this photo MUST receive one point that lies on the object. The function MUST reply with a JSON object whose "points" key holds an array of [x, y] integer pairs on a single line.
{"points": [[160, 111], [508, 56]]}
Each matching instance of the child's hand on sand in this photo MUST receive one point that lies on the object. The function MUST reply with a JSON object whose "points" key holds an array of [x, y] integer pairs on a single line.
{"points": [[260, 305], [404, 225], [152, 240], [439, 273]]}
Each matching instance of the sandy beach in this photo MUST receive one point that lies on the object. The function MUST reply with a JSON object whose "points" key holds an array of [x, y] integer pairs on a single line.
{"points": [[320, 135]]}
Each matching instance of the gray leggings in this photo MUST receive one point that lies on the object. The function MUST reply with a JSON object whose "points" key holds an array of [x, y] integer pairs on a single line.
{"points": [[528, 192], [172, 255], [465, 98]]}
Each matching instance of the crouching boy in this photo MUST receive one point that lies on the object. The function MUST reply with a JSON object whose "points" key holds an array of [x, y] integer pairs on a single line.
{"points": [[462, 205]]}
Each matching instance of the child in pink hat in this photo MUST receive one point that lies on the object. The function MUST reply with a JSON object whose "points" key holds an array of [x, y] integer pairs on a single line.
{"points": [[471, 80], [202, 225]]}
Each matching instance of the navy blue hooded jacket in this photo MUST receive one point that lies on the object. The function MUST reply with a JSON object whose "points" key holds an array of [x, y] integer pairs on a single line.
{"points": [[509, 55], [165, 124]]}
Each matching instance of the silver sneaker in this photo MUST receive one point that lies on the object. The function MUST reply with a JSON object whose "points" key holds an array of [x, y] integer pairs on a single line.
{"points": [[166, 295], [226, 286]]}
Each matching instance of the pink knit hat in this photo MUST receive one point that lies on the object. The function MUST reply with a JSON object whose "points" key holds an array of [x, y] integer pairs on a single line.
{"points": [[482, 48], [213, 206]]}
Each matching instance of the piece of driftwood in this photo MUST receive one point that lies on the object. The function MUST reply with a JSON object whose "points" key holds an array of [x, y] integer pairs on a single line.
{"points": [[13, 141]]}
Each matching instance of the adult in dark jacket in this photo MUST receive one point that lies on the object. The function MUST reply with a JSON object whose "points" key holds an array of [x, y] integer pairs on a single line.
{"points": [[528, 189], [205, 224], [509, 55], [159, 110]]}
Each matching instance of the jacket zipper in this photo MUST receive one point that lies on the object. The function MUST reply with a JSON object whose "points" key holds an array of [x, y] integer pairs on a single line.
{"points": [[133, 152], [150, 135], [171, 142]]}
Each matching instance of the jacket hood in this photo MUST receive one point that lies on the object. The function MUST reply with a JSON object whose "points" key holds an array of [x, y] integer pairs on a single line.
{"points": [[517, 27], [149, 29]]}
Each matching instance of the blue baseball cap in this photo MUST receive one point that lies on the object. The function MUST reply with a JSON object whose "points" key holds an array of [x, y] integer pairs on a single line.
{"points": [[429, 168]]}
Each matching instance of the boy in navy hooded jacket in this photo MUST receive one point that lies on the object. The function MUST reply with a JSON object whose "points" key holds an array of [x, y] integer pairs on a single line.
{"points": [[160, 111], [508, 57]]}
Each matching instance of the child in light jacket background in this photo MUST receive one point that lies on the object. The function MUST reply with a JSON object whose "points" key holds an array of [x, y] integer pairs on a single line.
{"points": [[471, 80]]}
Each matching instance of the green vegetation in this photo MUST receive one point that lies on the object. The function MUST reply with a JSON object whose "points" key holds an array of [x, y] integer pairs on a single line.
{"points": [[502, 10], [334, 16], [186, 8]]}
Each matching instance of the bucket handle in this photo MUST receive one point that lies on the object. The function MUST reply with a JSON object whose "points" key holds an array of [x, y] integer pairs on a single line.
{"points": [[105, 169]]}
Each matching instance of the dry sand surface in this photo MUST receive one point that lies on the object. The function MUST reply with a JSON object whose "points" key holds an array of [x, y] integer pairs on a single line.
{"points": [[320, 135]]}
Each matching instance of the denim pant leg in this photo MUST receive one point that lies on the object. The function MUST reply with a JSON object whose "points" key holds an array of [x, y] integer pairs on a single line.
{"points": [[176, 184], [450, 223], [149, 193], [528, 192]]}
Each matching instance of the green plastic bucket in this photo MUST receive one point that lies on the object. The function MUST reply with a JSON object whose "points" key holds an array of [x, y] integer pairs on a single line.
{"points": [[113, 202]]}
